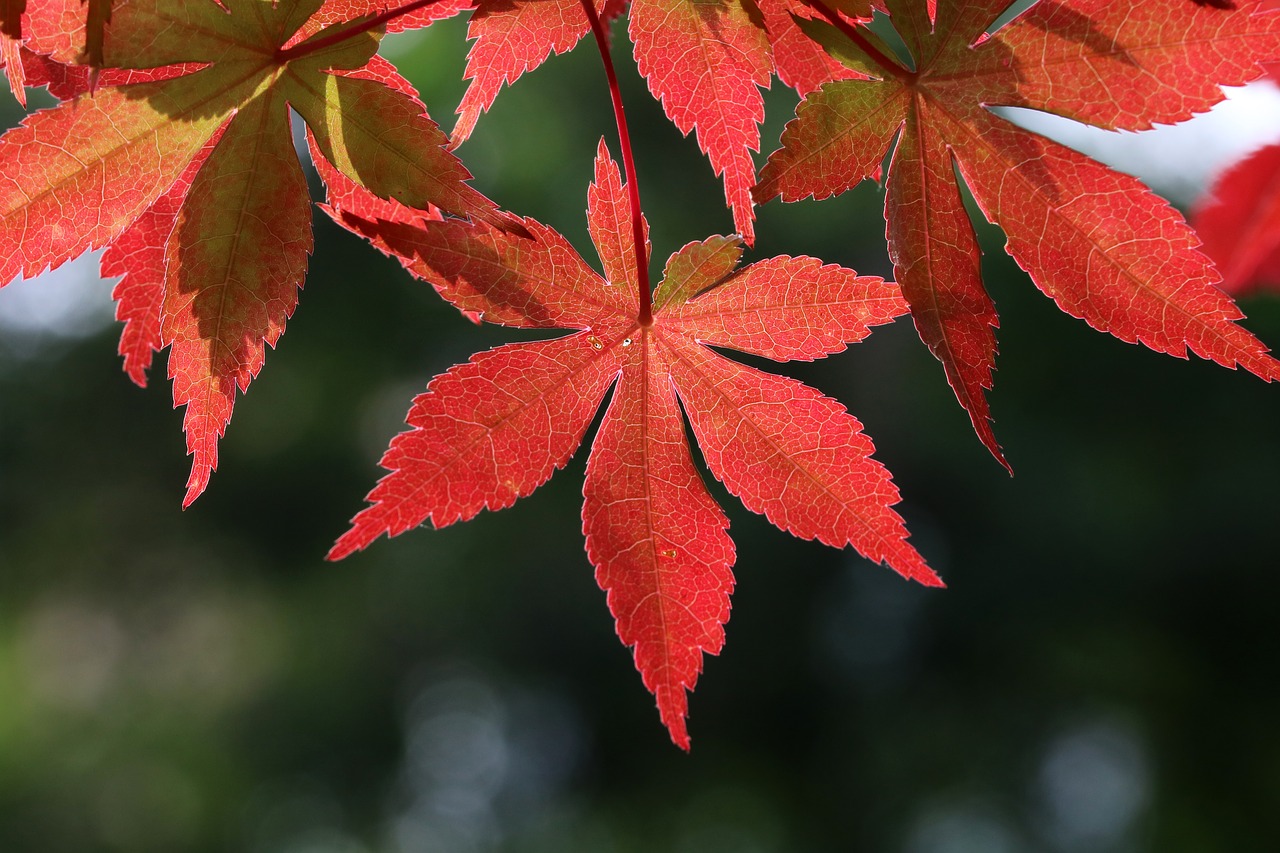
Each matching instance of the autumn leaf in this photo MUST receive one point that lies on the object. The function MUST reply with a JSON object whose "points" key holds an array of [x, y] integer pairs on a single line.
{"points": [[1239, 220], [67, 38], [512, 38], [494, 429], [800, 62], [69, 31], [1105, 248], [705, 60], [212, 239]]}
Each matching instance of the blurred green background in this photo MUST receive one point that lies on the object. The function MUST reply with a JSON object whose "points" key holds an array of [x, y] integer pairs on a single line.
{"points": [[1101, 674]]}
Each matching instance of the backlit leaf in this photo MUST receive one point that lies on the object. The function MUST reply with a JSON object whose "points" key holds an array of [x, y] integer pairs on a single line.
{"points": [[492, 430], [1099, 243], [220, 246], [1239, 220]]}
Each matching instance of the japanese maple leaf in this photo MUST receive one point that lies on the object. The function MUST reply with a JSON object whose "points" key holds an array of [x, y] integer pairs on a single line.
{"points": [[71, 30], [1238, 218], [186, 170], [88, 21], [706, 60], [494, 429], [1239, 221], [1099, 243]]}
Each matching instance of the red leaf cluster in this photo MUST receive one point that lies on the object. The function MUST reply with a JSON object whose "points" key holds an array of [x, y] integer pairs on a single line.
{"points": [[172, 150]]}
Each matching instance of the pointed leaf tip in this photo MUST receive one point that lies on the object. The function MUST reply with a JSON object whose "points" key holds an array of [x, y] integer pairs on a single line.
{"points": [[485, 434], [511, 37], [659, 543], [706, 63], [937, 262], [197, 483], [795, 456], [658, 540], [610, 222]]}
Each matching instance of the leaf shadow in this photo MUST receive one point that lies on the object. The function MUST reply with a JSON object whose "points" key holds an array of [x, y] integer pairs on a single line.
{"points": [[1059, 20], [505, 300], [183, 93], [11, 17]]}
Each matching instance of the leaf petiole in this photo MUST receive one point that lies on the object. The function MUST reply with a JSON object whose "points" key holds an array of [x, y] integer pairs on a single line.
{"points": [[628, 164]]}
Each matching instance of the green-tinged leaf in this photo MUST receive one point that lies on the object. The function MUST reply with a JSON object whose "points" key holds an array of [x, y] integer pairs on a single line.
{"points": [[80, 175], [74, 177], [235, 260], [383, 141], [695, 268]]}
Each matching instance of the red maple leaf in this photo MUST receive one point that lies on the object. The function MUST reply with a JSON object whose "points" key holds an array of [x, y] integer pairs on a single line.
{"points": [[706, 60], [186, 171], [1238, 218], [70, 31], [494, 429], [1099, 243], [63, 32], [1239, 221]]}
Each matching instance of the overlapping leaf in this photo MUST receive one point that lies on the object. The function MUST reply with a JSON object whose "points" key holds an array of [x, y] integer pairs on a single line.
{"points": [[212, 238], [1239, 222], [494, 429], [71, 28], [512, 38], [706, 60], [1105, 248], [69, 31]]}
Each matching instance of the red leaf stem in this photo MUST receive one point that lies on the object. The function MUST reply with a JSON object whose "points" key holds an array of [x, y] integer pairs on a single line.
{"points": [[628, 163]]}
